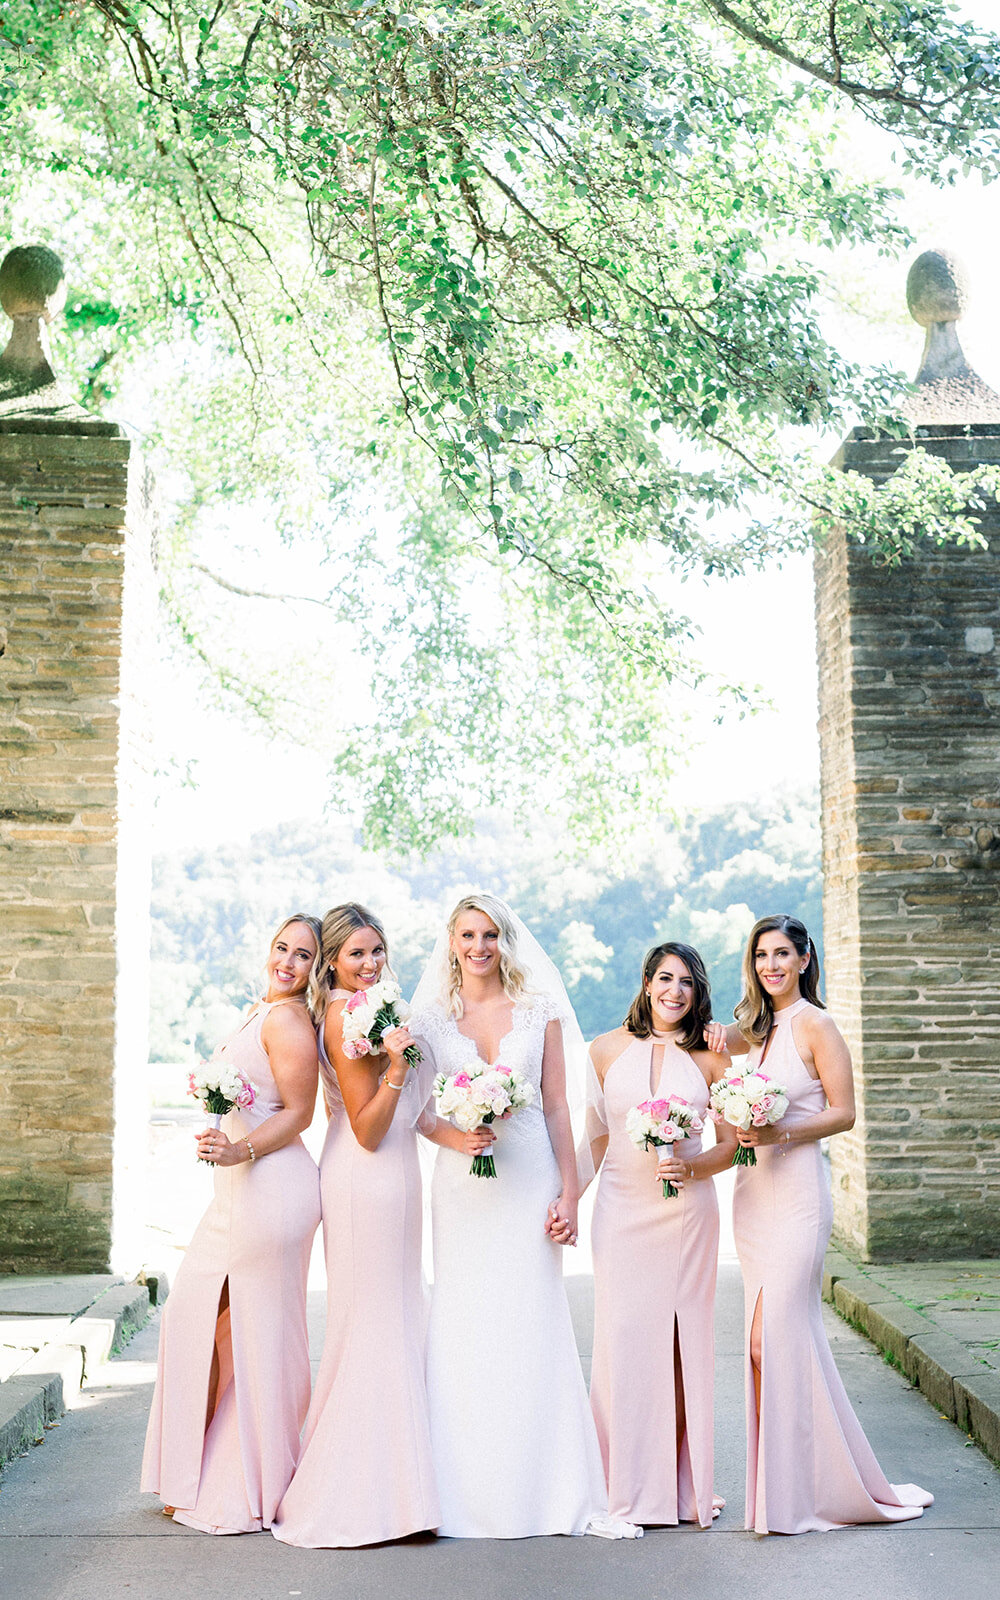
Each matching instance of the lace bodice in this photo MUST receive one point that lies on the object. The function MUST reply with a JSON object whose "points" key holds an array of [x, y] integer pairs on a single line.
{"points": [[521, 1048]]}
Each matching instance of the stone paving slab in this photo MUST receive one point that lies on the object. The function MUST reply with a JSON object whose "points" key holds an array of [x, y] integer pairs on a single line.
{"points": [[47, 1354], [61, 1295], [939, 1323]]}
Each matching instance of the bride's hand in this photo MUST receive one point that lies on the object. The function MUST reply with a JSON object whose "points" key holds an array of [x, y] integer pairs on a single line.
{"points": [[716, 1037], [478, 1141], [561, 1221]]}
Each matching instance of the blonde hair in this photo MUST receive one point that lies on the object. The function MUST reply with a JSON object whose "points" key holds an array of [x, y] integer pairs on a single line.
{"points": [[338, 925], [512, 974], [313, 924], [755, 1012]]}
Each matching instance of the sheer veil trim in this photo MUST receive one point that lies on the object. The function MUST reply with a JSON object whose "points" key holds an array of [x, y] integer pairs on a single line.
{"points": [[543, 983]]}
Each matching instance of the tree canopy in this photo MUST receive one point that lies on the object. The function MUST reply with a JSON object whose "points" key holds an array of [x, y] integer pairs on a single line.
{"points": [[515, 306]]}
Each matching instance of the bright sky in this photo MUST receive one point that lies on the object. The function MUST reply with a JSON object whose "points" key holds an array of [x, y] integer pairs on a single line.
{"points": [[759, 629]]}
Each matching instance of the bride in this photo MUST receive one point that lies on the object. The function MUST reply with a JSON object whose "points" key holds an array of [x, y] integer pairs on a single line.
{"points": [[514, 1444]]}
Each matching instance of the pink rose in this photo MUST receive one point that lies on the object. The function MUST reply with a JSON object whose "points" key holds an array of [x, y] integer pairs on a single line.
{"points": [[358, 998], [670, 1134], [659, 1108], [461, 1080], [246, 1096]]}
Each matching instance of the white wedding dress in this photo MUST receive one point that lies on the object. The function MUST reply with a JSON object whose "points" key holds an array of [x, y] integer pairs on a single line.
{"points": [[513, 1439]]}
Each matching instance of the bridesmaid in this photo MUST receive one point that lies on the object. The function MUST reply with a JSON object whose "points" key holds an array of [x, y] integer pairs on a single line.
{"points": [[655, 1258], [809, 1465], [232, 1383], [364, 1474]]}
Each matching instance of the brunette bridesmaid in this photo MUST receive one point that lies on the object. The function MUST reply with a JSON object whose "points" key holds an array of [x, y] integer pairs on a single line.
{"points": [[232, 1383], [809, 1465], [654, 1257], [364, 1474]]}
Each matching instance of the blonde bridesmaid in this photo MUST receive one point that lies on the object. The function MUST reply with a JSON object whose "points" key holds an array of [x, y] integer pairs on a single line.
{"points": [[232, 1383], [365, 1473], [654, 1257], [809, 1465]]}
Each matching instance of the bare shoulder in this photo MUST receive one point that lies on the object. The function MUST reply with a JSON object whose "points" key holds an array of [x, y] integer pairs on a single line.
{"points": [[817, 1024], [287, 1021], [607, 1047]]}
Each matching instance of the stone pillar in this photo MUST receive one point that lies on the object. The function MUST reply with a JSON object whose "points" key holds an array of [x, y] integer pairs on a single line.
{"points": [[909, 675], [77, 591]]}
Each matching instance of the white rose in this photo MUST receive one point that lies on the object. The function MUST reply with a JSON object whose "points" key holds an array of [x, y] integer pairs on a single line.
{"points": [[736, 1112]]}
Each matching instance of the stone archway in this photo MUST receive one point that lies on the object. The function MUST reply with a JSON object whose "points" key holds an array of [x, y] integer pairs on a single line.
{"points": [[909, 697]]}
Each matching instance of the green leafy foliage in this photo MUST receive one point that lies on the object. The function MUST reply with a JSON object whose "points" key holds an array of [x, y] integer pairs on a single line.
{"points": [[515, 306]]}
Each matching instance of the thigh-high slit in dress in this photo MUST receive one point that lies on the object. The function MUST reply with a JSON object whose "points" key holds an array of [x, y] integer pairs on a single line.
{"points": [[240, 1297], [655, 1262], [809, 1464]]}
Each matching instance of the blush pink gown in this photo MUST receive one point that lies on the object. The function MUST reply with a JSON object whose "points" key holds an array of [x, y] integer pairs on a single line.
{"points": [[809, 1465], [365, 1473], [654, 1280], [256, 1235]]}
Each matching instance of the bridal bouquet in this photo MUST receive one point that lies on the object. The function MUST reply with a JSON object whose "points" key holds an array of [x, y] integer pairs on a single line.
{"points": [[369, 1014], [745, 1100], [478, 1096], [662, 1122], [220, 1087]]}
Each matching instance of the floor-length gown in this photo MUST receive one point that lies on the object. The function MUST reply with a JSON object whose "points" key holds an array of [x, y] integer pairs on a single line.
{"points": [[514, 1443], [655, 1261], [365, 1473], [256, 1236], [809, 1465]]}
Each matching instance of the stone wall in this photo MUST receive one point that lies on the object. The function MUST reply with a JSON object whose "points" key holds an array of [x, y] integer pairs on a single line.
{"points": [[909, 663], [76, 589]]}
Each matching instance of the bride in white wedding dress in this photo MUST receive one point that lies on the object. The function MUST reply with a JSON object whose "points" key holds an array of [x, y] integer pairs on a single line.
{"points": [[514, 1445]]}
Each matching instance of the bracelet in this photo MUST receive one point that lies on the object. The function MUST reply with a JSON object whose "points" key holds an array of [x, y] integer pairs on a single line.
{"points": [[783, 1139], [251, 1152], [690, 1166], [399, 1087]]}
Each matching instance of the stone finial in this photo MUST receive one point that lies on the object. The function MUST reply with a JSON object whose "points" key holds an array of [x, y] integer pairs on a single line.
{"points": [[32, 292], [947, 388]]}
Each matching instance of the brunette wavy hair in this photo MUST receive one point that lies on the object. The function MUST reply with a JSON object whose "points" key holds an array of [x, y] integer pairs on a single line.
{"points": [[640, 1015], [755, 1012]]}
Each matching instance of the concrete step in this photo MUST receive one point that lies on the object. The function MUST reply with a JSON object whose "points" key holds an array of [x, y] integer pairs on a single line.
{"points": [[55, 1334]]}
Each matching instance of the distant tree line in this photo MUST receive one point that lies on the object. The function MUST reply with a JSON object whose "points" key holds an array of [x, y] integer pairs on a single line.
{"points": [[703, 880]]}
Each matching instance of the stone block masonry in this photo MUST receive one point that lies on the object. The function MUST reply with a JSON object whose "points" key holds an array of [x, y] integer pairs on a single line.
{"points": [[909, 666], [76, 583]]}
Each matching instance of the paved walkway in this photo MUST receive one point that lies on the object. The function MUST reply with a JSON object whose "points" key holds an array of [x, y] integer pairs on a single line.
{"points": [[939, 1322], [74, 1527]]}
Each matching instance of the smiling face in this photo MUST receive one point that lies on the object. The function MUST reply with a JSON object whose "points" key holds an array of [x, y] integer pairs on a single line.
{"points": [[475, 944], [778, 966], [671, 993], [290, 961], [359, 961]]}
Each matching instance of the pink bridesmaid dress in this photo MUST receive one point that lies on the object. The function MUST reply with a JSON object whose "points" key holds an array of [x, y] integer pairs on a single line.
{"points": [[365, 1474], [654, 1282], [809, 1465], [256, 1235]]}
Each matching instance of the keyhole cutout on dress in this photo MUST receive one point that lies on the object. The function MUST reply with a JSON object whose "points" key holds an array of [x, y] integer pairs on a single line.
{"points": [[656, 1055]]}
